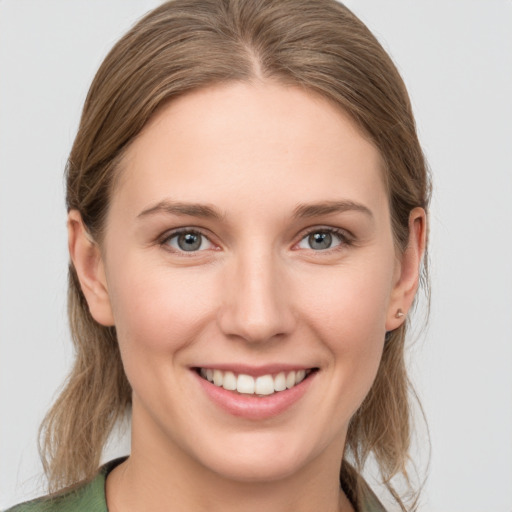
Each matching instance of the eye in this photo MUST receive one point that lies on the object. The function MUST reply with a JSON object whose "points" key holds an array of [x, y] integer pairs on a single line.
{"points": [[322, 239], [188, 241]]}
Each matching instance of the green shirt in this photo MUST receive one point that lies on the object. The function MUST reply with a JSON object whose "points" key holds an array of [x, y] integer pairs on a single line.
{"points": [[90, 497]]}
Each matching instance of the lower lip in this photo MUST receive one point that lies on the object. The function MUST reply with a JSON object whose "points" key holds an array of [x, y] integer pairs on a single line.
{"points": [[254, 407]]}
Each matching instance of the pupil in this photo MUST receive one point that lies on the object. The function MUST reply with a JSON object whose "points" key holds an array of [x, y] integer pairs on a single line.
{"points": [[189, 242], [320, 240]]}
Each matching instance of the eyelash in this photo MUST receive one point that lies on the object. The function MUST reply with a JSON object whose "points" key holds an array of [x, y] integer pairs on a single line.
{"points": [[345, 239], [164, 241]]}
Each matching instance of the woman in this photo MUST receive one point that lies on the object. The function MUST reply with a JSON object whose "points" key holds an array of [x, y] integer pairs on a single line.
{"points": [[247, 206]]}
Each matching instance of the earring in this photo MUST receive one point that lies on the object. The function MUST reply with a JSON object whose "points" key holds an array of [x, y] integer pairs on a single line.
{"points": [[399, 314]]}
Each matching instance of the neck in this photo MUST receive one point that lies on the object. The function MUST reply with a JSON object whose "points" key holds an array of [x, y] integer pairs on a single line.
{"points": [[130, 487], [159, 476]]}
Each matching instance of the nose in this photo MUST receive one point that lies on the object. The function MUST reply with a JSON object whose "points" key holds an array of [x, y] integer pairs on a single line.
{"points": [[257, 303]]}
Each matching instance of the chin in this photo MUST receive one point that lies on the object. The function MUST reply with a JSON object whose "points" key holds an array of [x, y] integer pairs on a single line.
{"points": [[258, 470], [269, 458]]}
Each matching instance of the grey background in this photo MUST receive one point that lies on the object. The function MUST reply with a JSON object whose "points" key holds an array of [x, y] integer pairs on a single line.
{"points": [[456, 58]]}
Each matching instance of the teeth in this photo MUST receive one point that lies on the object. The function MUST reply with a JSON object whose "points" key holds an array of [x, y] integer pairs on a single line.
{"points": [[264, 385], [229, 381], [280, 382], [245, 384], [290, 380], [217, 377], [248, 385]]}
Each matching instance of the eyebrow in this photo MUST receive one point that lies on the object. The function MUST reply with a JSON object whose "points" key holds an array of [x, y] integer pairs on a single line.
{"points": [[328, 208], [178, 208], [209, 212]]}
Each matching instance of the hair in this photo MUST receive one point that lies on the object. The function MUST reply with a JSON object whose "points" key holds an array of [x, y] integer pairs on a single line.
{"points": [[184, 45]]}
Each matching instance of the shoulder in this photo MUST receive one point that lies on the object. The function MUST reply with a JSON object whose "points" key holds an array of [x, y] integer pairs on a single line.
{"points": [[370, 502], [89, 496], [358, 491]]}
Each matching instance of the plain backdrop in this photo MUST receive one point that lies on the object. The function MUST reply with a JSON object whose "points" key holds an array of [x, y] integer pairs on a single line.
{"points": [[456, 59]]}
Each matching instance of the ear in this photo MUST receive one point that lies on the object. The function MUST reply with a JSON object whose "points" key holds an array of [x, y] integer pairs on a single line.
{"points": [[87, 260], [408, 270]]}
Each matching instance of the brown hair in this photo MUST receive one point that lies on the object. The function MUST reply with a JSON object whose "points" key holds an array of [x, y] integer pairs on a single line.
{"points": [[185, 45]]}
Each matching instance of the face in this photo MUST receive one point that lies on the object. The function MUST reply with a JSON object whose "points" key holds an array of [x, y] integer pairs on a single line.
{"points": [[249, 243]]}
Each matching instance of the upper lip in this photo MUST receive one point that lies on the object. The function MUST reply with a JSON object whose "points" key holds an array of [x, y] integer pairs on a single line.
{"points": [[255, 371]]}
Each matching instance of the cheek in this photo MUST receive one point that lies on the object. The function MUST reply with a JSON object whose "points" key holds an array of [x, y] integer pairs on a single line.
{"points": [[352, 307], [157, 309], [350, 317]]}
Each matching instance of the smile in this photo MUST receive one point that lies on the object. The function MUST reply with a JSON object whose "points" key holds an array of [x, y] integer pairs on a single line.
{"points": [[262, 385]]}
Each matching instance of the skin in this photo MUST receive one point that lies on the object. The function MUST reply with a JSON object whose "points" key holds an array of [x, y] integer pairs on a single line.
{"points": [[256, 293]]}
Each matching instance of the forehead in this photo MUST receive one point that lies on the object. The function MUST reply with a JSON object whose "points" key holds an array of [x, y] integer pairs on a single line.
{"points": [[256, 141]]}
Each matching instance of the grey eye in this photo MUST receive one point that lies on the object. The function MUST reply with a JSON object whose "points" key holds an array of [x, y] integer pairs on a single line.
{"points": [[321, 240], [189, 241]]}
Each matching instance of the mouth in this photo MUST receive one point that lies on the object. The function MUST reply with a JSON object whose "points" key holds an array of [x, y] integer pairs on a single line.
{"points": [[262, 385]]}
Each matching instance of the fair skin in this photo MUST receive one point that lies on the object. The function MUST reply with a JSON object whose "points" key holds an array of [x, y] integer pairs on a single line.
{"points": [[284, 262]]}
